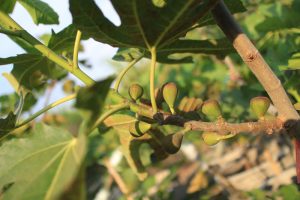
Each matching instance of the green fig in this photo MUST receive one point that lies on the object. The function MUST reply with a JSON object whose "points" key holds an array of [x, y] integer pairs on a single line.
{"points": [[210, 138], [259, 106], [135, 91], [37, 79], [69, 86], [212, 109], [170, 93], [172, 142], [139, 128]]}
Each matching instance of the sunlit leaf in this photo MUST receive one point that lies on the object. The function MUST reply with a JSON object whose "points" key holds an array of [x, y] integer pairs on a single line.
{"points": [[40, 165], [40, 11], [137, 29]]}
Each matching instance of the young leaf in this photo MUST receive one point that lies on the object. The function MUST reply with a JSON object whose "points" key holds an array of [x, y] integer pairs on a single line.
{"points": [[41, 165], [7, 5], [26, 67], [63, 40], [40, 11]]}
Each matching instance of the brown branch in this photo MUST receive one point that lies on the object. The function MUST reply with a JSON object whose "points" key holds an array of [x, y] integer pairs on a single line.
{"points": [[118, 179], [268, 126], [255, 61]]}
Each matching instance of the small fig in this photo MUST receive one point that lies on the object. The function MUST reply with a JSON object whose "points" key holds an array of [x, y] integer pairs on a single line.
{"points": [[69, 86], [170, 93], [210, 138], [259, 106], [172, 142], [37, 79], [135, 91], [212, 109], [139, 128]]}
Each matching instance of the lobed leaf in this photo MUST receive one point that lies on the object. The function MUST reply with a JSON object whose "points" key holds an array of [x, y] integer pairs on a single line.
{"points": [[40, 11], [41, 165], [143, 24]]}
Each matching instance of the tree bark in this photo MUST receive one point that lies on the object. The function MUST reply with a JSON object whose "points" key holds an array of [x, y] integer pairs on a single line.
{"points": [[261, 70]]}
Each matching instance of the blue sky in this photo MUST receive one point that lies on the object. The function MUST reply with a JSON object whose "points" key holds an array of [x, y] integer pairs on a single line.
{"points": [[99, 55]]}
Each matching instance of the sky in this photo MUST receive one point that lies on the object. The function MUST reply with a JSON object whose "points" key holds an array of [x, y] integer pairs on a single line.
{"points": [[98, 55]]}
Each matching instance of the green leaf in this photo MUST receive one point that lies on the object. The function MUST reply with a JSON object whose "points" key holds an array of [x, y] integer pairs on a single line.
{"points": [[220, 47], [143, 24], [41, 165], [7, 124], [7, 5], [93, 97], [130, 149], [234, 6], [33, 70], [63, 40], [40, 11], [294, 61]]}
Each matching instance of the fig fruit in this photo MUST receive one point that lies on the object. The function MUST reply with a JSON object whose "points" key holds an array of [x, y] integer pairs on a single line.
{"points": [[139, 128], [212, 109], [260, 105], [170, 93], [69, 86], [135, 91], [172, 142], [210, 138]]}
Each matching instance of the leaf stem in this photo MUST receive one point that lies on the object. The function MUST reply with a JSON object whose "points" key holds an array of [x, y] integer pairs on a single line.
{"points": [[152, 79], [76, 50], [107, 114], [45, 109], [124, 71], [9, 26]]}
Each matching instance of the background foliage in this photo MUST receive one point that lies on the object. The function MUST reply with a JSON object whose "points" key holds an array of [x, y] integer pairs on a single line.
{"points": [[203, 64]]}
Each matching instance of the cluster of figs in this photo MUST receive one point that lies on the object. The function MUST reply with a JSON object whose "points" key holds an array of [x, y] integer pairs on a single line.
{"points": [[210, 108]]}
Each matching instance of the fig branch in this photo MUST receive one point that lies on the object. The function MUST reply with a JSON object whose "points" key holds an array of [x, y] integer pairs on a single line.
{"points": [[220, 126], [251, 56], [261, 70]]}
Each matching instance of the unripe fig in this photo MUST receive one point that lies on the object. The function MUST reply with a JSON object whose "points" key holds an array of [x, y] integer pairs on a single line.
{"points": [[69, 86], [135, 91], [170, 93], [260, 105], [37, 79], [212, 109], [172, 142], [210, 138], [139, 128]]}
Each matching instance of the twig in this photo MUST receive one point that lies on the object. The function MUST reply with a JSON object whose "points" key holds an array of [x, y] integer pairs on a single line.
{"points": [[118, 179]]}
